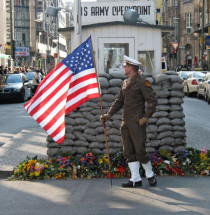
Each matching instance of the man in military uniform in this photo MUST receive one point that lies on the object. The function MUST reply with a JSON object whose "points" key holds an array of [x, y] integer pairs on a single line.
{"points": [[134, 92]]}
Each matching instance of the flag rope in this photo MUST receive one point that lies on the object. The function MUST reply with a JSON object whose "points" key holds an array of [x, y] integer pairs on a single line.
{"points": [[102, 113]]}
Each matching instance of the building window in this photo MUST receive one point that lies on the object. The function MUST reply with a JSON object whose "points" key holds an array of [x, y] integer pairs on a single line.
{"points": [[113, 56], [188, 19], [186, 1], [175, 3], [147, 60]]}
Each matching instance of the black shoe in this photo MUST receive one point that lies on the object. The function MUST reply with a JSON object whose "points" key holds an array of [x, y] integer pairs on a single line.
{"points": [[132, 184], [152, 181]]}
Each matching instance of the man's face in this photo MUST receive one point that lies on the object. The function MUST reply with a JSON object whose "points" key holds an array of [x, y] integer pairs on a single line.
{"points": [[127, 69]]}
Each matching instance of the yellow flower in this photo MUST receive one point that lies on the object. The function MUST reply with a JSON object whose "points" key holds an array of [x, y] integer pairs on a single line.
{"points": [[100, 161], [37, 173], [31, 173], [45, 166], [203, 156]]}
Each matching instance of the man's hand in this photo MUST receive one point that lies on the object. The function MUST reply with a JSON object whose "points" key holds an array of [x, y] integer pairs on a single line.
{"points": [[143, 121], [104, 118]]}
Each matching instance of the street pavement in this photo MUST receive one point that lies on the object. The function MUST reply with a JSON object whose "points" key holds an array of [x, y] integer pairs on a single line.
{"points": [[172, 195]]}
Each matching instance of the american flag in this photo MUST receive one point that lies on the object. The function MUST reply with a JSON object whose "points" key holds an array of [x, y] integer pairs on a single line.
{"points": [[72, 82]]}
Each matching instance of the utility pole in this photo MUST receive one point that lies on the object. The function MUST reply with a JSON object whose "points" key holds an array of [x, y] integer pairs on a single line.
{"points": [[12, 51], [202, 34], [77, 23]]}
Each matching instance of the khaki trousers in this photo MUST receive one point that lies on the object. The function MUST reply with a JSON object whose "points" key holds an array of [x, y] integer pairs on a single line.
{"points": [[133, 139]]}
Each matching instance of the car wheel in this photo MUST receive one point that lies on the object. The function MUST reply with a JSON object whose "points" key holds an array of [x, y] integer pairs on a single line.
{"points": [[207, 97], [188, 93], [198, 96], [23, 97], [30, 94]]}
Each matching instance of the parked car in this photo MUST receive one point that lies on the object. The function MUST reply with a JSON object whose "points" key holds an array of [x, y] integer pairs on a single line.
{"points": [[15, 87], [30, 76], [184, 74], [203, 86], [191, 82], [208, 93]]}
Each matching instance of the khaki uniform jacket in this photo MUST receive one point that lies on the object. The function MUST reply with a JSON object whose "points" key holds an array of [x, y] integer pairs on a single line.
{"points": [[133, 94]]}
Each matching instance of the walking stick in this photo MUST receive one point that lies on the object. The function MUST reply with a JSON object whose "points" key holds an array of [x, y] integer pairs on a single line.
{"points": [[102, 113]]}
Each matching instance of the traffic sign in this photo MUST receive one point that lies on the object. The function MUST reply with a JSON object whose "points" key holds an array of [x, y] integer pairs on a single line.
{"points": [[175, 45]]}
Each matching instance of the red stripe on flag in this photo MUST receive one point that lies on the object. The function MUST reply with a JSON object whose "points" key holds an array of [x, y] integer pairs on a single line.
{"points": [[50, 96], [82, 79], [81, 90], [43, 81], [54, 120], [51, 108], [49, 74], [60, 141], [58, 130], [77, 104], [39, 94]]}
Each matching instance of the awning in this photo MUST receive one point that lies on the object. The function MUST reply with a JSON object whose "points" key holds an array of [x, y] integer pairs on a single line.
{"points": [[5, 56], [189, 57]]}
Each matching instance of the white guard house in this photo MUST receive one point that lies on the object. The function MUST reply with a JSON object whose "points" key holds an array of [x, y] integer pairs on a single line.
{"points": [[113, 38]]}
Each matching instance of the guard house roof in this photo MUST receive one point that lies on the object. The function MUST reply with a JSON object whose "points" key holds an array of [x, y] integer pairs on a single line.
{"points": [[162, 27]]}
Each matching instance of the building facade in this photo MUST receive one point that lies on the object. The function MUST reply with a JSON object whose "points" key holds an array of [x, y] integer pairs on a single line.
{"points": [[37, 42], [187, 17], [5, 33]]}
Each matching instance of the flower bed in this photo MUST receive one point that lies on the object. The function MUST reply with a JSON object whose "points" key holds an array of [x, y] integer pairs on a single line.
{"points": [[187, 162]]}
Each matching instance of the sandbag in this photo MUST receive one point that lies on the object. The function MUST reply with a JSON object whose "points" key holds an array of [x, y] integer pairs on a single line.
{"points": [[104, 83]]}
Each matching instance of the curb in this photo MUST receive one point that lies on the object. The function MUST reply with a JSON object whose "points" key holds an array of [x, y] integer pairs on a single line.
{"points": [[5, 174]]}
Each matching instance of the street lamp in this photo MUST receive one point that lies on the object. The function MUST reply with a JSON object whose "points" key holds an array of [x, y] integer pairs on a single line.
{"points": [[132, 16], [53, 11]]}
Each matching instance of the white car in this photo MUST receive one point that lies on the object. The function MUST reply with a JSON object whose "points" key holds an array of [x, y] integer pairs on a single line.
{"points": [[203, 86], [183, 74], [192, 81]]}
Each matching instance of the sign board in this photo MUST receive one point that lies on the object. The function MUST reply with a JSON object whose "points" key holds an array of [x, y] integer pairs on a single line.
{"points": [[175, 45], [207, 41], [100, 12], [22, 51]]}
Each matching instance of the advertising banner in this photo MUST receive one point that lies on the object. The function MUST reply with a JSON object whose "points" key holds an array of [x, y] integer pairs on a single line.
{"points": [[22, 51]]}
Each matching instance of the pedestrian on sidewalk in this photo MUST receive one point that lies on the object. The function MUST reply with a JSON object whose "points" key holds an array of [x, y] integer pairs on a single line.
{"points": [[36, 80], [135, 91]]}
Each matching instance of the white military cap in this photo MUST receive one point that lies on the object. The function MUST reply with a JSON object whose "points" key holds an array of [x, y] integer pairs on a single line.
{"points": [[129, 60]]}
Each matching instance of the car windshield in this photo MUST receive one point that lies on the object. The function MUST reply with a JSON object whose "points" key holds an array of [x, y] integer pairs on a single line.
{"points": [[13, 79], [198, 75], [185, 74], [30, 75]]}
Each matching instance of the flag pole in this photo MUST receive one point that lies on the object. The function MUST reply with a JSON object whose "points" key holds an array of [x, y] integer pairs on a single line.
{"points": [[102, 113]]}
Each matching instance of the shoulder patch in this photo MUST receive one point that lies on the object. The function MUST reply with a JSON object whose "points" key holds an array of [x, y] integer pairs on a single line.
{"points": [[147, 83]]}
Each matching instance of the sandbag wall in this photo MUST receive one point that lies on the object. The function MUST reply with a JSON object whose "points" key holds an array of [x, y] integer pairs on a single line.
{"points": [[165, 129]]}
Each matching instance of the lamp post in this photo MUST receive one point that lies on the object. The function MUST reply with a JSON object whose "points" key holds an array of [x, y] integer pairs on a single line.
{"points": [[78, 23], [53, 11], [202, 35]]}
